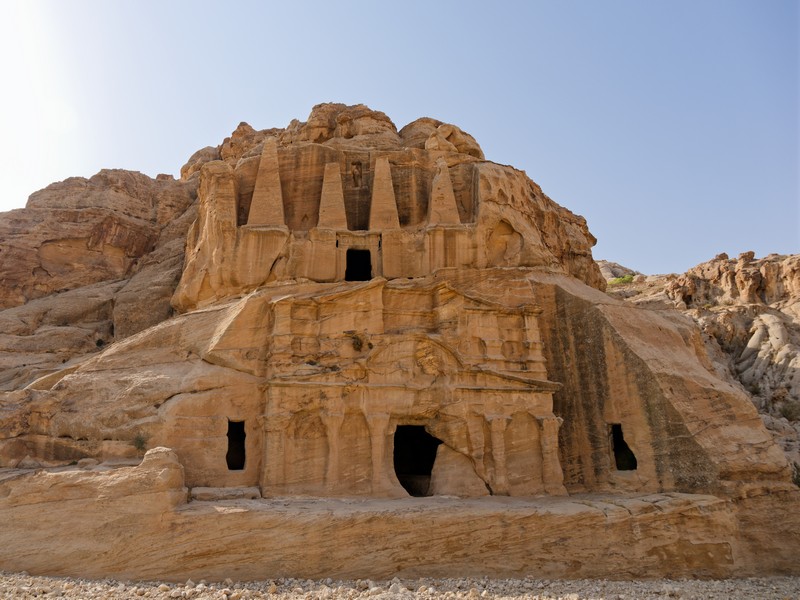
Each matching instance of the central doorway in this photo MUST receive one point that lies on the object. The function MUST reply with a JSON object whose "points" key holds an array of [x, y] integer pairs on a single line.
{"points": [[414, 455], [359, 265]]}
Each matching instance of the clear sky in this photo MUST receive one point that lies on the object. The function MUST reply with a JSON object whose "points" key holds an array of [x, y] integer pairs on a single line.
{"points": [[672, 126]]}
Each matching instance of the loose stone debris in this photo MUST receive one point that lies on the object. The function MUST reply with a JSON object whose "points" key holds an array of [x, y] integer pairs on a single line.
{"points": [[22, 585]]}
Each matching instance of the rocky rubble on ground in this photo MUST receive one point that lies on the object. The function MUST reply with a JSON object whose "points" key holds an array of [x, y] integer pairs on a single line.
{"points": [[749, 312], [769, 588]]}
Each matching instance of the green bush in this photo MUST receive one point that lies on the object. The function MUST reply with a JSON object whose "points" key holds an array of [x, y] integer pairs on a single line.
{"points": [[621, 280]]}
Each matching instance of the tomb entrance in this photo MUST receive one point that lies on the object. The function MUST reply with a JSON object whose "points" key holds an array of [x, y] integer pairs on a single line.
{"points": [[359, 265], [414, 455], [624, 458]]}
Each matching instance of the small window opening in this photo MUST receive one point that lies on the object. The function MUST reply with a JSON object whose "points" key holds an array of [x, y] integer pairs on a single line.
{"points": [[624, 457], [359, 265], [414, 454], [235, 456]]}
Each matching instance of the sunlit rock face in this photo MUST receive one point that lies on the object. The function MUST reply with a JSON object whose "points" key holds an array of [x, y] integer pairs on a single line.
{"points": [[345, 189], [748, 310], [369, 313]]}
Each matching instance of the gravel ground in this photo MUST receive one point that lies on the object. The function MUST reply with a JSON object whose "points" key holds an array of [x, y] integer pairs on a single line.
{"points": [[21, 585]]}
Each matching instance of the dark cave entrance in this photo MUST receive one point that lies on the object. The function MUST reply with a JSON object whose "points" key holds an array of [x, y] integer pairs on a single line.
{"points": [[414, 454], [235, 456], [359, 265], [624, 457]]}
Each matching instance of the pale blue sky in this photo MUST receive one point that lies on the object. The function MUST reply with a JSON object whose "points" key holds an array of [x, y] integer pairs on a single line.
{"points": [[672, 126]]}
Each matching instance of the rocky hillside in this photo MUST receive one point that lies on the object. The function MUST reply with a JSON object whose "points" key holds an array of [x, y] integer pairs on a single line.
{"points": [[749, 312], [87, 262]]}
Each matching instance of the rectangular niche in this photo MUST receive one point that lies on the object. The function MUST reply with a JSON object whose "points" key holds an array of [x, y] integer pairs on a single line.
{"points": [[235, 457]]}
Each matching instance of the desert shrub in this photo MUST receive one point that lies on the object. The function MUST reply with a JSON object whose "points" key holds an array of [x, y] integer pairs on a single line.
{"points": [[140, 442], [754, 388], [791, 410], [779, 395], [621, 280]]}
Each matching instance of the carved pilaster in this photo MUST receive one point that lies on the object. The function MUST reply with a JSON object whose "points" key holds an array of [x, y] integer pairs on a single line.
{"points": [[378, 432], [274, 470], [497, 426], [552, 475], [333, 426]]}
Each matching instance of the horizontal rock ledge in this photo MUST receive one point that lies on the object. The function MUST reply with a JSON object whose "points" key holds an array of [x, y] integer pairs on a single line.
{"points": [[145, 537]]}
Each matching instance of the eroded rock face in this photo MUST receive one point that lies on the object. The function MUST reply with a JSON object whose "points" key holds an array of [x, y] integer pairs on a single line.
{"points": [[369, 313], [297, 201], [749, 312], [87, 262], [83, 231]]}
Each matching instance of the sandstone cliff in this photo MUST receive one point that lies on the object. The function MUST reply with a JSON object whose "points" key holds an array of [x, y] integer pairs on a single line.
{"points": [[339, 309], [749, 312], [87, 262]]}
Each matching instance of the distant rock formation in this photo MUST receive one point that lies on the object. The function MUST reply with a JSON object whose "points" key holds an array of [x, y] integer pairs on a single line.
{"points": [[612, 270]]}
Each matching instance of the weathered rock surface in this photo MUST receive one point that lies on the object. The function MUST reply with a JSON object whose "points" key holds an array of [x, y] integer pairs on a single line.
{"points": [[363, 315], [611, 270], [141, 527], [749, 312], [87, 262], [83, 231]]}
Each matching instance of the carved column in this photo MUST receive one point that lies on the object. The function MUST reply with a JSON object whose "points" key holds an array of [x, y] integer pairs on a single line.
{"points": [[333, 424], [274, 471], [552, 474], [477, 443], [497, 426], [378, 432]]}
